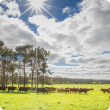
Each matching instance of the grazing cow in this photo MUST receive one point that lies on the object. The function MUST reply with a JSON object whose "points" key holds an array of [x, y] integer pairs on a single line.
{"points": [[83, 90], [24, 89], [41, 89], [74, 89], [67, 89], [51, 89], [11, 88], [2, 88], [105, 90], [60, 89]]}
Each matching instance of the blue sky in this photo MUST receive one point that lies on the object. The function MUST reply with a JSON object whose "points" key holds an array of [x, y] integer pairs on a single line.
{"points": [[76, 32]]}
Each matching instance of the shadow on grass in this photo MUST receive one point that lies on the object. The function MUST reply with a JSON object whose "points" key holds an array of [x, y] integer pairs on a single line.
{"points": [[17, 92], [28, 92]]}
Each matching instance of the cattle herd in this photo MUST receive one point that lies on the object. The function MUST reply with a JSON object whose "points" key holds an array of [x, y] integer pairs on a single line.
{"points": [[52, 89]]}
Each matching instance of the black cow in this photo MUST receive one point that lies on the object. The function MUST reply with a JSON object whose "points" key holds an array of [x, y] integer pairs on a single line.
{"points": [[2, 88], [41, 89], [11, 88], [24, 89]]}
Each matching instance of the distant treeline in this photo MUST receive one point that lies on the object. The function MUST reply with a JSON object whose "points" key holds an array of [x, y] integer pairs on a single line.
{"points": [[60, 80]]}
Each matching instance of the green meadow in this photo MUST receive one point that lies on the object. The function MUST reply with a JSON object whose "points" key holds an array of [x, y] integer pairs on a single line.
{"points": [[94, 100]]}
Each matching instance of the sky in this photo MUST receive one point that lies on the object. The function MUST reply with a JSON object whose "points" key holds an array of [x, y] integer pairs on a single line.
{"points": [[76, 32]]}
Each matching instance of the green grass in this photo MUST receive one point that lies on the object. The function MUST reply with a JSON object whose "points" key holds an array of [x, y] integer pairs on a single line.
{"points": [[94, 100]]}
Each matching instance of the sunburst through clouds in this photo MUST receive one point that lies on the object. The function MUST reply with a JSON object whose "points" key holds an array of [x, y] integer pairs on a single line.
{"points": [[37, 5]]}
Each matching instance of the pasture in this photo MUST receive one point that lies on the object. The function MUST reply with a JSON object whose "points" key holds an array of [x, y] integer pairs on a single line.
{"points": [[94, 100]]}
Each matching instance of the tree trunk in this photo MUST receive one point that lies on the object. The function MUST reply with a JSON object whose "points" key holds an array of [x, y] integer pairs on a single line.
{"points": [[43, 79], [24, 73], [12, 75], [32, 78], [6, 80], [3, 81]]}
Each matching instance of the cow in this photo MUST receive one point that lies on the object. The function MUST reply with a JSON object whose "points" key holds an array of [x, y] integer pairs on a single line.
{"points": [[74, 89], [2, 88], [51, 89], [105, 90], [24, 89], [60, 89], [11, 88], [83, 90], [67, 89], [41, 89]]}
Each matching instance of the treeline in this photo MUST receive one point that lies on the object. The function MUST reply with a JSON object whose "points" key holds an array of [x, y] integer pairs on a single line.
{"points": [[23, 58], [60, 80]]}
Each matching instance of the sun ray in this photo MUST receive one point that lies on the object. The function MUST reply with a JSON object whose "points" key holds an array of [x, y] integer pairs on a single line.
{"points": [[48, 12], [32, 11], [26, 10], [50, 6], [40, 10]]}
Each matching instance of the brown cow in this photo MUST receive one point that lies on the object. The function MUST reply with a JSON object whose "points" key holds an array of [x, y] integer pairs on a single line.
{"points": [[2, 88], [105, 90], [83, 90], [41, 89], [67, 89], [11, 88], [51, 89], [74, 89], [24, 89], [60, 89]]}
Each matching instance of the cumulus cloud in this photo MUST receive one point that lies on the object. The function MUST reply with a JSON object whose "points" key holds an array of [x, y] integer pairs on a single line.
{"points": [[1, 10], [67, 10], [13, 8], [13, 33]]}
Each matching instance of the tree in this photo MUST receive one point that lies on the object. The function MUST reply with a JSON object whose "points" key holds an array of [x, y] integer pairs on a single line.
{"points": [[1, 44], [5, 58], [32, 63], [43, 62], [24, 50]]}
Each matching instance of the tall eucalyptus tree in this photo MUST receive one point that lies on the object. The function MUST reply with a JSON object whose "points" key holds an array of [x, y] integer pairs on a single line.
{"points": [[5, 57], [32, 63], [24, 50], [43, 54]]}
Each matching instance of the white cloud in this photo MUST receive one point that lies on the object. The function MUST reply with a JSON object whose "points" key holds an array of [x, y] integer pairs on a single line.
{"points": [[67, 10], [1, 10], [13, 8], [108, 1], [1, 1], [15, 32]]}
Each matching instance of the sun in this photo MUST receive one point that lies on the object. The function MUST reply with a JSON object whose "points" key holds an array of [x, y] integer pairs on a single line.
{"points": [[37, 5]]}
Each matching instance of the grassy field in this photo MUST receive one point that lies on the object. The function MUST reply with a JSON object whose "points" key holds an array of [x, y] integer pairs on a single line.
{"points": [[94, 100]]}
